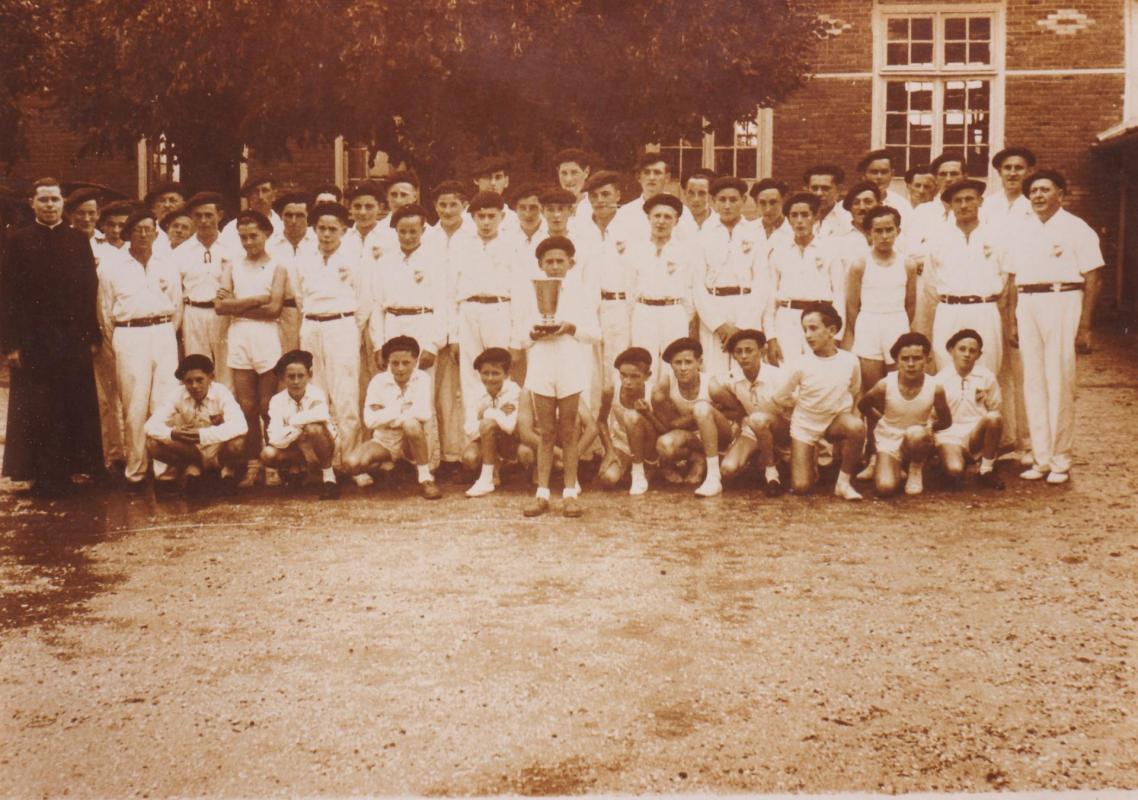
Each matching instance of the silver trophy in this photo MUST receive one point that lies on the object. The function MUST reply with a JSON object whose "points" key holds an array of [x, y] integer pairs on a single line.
{"points": [[548, 291]]}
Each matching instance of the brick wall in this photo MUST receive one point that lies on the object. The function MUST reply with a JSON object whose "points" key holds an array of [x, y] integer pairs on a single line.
{"points": [[1099, 41], [828, 120]]}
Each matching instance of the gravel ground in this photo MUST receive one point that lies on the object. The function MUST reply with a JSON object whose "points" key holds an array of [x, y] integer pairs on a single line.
{"points": [[276, 646]]}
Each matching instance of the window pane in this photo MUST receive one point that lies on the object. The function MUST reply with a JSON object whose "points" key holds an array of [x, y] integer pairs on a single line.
{"points": [[896, 98], [921, 53], [920, 96], [955, 53], [954, 96], [979, 53], [724, 161], [671, 157], [896, 126], [922, 28], [896, 54], [898, 29], [921, 130], [954, 28], [979, 28], [747, 163], [919, 155]]}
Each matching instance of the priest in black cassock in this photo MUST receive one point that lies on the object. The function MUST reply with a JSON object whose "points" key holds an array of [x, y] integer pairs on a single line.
{"points": [[48, 332]]}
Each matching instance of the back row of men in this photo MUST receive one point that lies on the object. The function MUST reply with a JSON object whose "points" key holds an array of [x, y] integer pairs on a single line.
{"points": [[307, 272]]}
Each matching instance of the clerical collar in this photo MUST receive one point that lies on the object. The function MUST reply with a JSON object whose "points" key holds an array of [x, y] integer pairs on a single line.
{"points": [[49, 227]]}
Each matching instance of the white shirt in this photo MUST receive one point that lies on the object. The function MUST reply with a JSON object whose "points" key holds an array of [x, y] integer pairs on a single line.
{"points": [[450, 248], [330, 284], [835, 223], [1003, 214], [502, 408], [287, 417], [733, 257], [200, 268], [760, 394], [217, 419], [1063, 249], [526, 242], [664, 272], [411, 280], [900, 202], [969, 396], [688, 229], [387, 404], [966, 265], [574, 305], [824, 385], [780, 235], [288, 255], [128, 290], [602, 254], [926, 221], [806, 273], [488, 267], [232, 239]]}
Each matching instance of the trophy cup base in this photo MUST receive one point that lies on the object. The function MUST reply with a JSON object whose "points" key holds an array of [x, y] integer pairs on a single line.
{"points": [[547, 327]]}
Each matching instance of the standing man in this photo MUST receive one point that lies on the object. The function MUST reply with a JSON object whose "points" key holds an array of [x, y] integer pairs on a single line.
{"points": [[730, 286], [653, 174], [259, 194], [948, 168], [573, 167], [48, 332], [530, 228], [199, 263], [825, 181], [1057, 282], [920, 184], [293, 242], [697, 198], [876, 167], [771, 224], [492, 174]]}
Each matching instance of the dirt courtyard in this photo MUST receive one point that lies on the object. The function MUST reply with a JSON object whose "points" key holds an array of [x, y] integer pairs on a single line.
{"points": [[280, 646]]}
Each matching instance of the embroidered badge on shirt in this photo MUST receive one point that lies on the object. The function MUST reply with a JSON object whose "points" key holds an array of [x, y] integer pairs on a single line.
{"points": [[987, 251], [1057, 250], [620, 247], [747, 246]]}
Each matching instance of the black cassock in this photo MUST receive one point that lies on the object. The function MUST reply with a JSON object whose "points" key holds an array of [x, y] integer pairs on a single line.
{"points": [[48, 289]]}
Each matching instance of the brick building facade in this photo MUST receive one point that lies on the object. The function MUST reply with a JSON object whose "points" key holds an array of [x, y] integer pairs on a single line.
{"points": [[916, 76]]}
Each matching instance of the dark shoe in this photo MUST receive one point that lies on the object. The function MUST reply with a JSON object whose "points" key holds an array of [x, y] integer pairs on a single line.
{"points": [[571, 507], [991, 480], [136, 487], [49, 489], [193, 486], [430, 490], [329, 490], [773, 489], [536, 507], [227, 486]]}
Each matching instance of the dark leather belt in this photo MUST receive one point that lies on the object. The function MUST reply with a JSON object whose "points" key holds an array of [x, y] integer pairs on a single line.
{"points": [[329, 317], [613, 296], [406, 311], [198, 303], [144, 322], [660, 301], [486, 298], [728, 291], [1038, 288], [799, 305], [967, 299], [290, 303]]}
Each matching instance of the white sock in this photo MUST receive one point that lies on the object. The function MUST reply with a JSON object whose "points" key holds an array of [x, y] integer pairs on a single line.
{"points": [[487, 474], [843, 479], [713, 466], [638, 472], [987, 465], [328, 475], [542, 493], [771, 474], [574, 492], [425, 473]]}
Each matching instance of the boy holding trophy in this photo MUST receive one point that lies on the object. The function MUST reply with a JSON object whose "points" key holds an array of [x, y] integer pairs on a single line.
{"points": [[552, 318]]}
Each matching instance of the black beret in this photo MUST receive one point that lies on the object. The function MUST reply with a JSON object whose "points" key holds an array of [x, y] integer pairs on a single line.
{"points": [[527, 190], [168, 220], [557, 197], [634, 355], [648, 159], [366, 189], [412, 210], [192, 362], [119, 208], [600, 178], [257, 218], [874, 155], [302, 357], [489, 165], [205, 199], [681, 344], [400, 344], [758, 337], [451, 187], [664, 199], [728, 182], [953, 156], [1023, 152], [136, 217], [956, 186], [910, 339], [833, 170], [573, 155], [556, 243], [858, 188], [698, 175], [402, 176], [768, 183], [963, 333], [81, 196], [1052, 175], [328, 210], [484, 200], [291, 198], [252, 182], [166, 187], [493, 355]]}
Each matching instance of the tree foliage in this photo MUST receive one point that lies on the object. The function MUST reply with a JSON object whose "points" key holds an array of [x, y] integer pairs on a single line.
{"points": [[432, 82]]}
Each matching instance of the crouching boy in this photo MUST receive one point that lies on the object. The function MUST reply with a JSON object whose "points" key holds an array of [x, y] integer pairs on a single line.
{"points": [[973, 395], [301, 437], [199, 428], [492, 425], [397, 407], [627, 425]]}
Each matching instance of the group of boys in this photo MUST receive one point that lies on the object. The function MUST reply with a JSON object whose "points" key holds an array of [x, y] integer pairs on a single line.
{"points": [[683, 337]]}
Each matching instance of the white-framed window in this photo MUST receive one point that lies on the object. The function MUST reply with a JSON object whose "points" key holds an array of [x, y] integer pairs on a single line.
{"points": [[938, 82], [746, 153]]}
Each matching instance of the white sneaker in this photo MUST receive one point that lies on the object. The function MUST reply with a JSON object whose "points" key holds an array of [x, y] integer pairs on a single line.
{"points": [[480, 488], [710, 487], [915, 483], [1036, 473], [1056, 478], [847, 492], [363, 480], [272, 477], [871, 467], [640, 487]]}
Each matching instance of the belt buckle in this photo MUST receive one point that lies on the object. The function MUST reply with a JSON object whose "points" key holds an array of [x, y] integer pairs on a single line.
{"points": [[1057, 287]]}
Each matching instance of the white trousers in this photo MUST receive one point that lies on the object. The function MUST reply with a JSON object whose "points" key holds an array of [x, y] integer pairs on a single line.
{"points": [[335, 348], [788, 331], [656, 327], [288, 326], [984, 318], [145, 361], [110, 404], [480, 326], [739, 311], [205, 331], [1016, 432], [448, 407], [1048, 323], [615, 318]]}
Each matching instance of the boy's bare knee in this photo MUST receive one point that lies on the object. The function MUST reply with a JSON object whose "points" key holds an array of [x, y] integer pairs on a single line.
{"points": [[993, 419], [702, 410], [153, 447], [487, 426], [269, 454], [313, 429], [525, 455], [471, 459], [916, 435], [412, 427]]}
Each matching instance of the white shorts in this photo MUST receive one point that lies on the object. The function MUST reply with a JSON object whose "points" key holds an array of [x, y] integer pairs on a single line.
{"points": [[888, 440], [810, 427], [620, 420], [957, 434], [253, 345], [876, 333], [556, 368], [393, 441]]}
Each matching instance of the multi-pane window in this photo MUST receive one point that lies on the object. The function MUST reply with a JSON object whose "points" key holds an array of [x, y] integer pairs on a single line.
{"points": [[938, 70], [744, 153], [682, 158]]}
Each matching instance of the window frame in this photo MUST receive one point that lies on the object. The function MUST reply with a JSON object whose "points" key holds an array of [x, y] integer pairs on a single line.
{"points": [[939, 73], [707, 148]]}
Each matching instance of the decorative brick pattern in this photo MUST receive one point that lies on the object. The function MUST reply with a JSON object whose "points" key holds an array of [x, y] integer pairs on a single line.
{"points": [[1066, 22]]}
